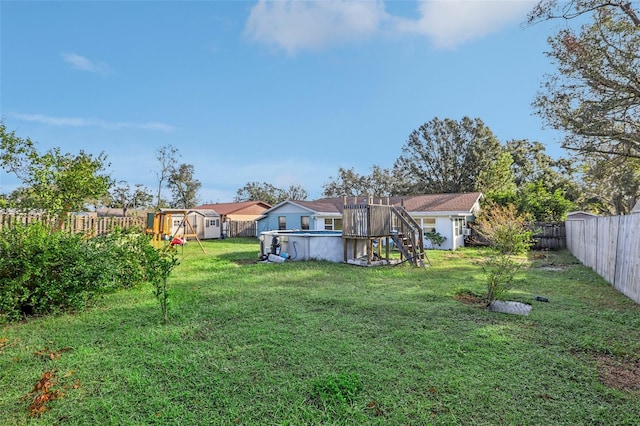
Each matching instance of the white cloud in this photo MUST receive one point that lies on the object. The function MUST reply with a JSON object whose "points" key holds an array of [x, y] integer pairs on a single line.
{"points": [[302, 24], [92, 122], [82, 63], [295, 25], [450, 23]]}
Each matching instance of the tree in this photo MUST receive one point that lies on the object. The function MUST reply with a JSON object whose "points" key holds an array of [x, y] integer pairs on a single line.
{"points": [[125, 197], [446, 156], [167, 156], [55, 182], [555, 9], [531, 164], [611, 184], [256, 191], [380, 183], [184, 187], [595, 95], [542, 205], [297, 192], [498, 179]]}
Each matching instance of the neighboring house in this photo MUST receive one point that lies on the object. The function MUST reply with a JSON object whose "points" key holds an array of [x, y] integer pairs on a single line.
{"points": [[241, 212], [238, 219], [446, 214], [636, 208]]}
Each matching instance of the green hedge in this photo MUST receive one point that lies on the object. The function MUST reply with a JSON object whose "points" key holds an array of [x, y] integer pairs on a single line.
{"points": [[43, 271]]}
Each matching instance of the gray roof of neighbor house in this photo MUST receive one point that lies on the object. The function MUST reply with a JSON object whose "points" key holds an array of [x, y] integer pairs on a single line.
{"points": [[430, 203]]}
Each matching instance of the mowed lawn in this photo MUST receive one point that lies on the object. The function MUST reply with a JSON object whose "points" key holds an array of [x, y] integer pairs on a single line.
{"points": [[318, 343]]}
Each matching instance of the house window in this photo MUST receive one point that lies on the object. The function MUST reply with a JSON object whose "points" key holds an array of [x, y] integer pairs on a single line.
{"points": [[428, 224], [282, 222], [458, 225], [304, 222], [331, 224]]}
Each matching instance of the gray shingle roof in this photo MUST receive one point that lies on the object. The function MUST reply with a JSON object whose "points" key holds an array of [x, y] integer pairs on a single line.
{"points": [[462, 202]]}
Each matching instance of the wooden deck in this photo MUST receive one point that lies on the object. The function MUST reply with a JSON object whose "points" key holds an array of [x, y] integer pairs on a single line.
{"points": [[364, 223]]}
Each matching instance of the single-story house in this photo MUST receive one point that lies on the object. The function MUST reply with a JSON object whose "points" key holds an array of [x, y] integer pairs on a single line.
{"points": [[241, 211], [446, 214], [238, 219]]}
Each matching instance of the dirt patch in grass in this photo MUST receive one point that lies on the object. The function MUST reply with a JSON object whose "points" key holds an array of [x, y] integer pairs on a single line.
{"points": [[553, 268], [618, 373], [245, 262], [469, 298]]}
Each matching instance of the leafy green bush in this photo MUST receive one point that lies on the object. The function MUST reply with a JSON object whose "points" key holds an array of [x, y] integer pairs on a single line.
{"points": [[500, 271], [161, 263], [44, 271], [435, 237], [506, 230]]}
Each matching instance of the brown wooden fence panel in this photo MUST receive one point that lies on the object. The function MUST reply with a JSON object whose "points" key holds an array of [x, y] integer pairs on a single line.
{"points": [[611, 247], [90, 225], [242, 228], [549, 235]]}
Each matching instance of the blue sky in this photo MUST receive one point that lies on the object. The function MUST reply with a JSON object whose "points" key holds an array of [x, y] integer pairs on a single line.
{"points": [[282, 92]]}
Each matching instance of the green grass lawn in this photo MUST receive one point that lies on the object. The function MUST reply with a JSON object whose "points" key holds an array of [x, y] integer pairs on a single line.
{"points": [[319, 343]]}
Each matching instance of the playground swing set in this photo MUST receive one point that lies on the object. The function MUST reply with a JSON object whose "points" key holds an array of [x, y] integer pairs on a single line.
{"points": [[161, 226]]}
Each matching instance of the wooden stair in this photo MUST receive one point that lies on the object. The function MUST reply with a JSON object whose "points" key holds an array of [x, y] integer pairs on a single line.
{"points": [[408, 238]]}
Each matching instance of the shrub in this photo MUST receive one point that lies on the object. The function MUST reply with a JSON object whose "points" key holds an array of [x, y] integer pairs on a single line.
{"points": [[500, 271], [44, 271], [435, 237], [505, 229], [161, 263]]}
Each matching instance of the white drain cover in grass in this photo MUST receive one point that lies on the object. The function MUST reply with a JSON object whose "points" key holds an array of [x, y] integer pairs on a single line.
{"points": [[510, 307]]}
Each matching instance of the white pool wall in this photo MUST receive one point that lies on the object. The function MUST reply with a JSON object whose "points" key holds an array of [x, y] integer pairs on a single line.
{"points": [[300, 245]]}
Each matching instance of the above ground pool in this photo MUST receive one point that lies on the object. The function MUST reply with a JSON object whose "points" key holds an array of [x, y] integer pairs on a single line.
{"points": [[303, 245]]}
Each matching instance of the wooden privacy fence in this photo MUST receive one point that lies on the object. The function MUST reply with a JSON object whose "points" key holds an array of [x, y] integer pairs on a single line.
{"points": [[549, 235], [242, 228], [610, 246], [76, 224], [546, 236]]}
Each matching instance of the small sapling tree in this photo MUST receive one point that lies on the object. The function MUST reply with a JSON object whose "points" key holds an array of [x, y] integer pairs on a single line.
{"points": [[161, 263], [508, 233]]}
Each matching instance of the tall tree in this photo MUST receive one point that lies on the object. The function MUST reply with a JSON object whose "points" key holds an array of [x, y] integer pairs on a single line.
{"points": [[595, 94], [611, 184], [542, 205], [125, 197], [167, 156], [184, 186], [531, 164], [296, 192], [446, 156], [56, 182], [379, 183], [256, 191], [498, 179]]}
